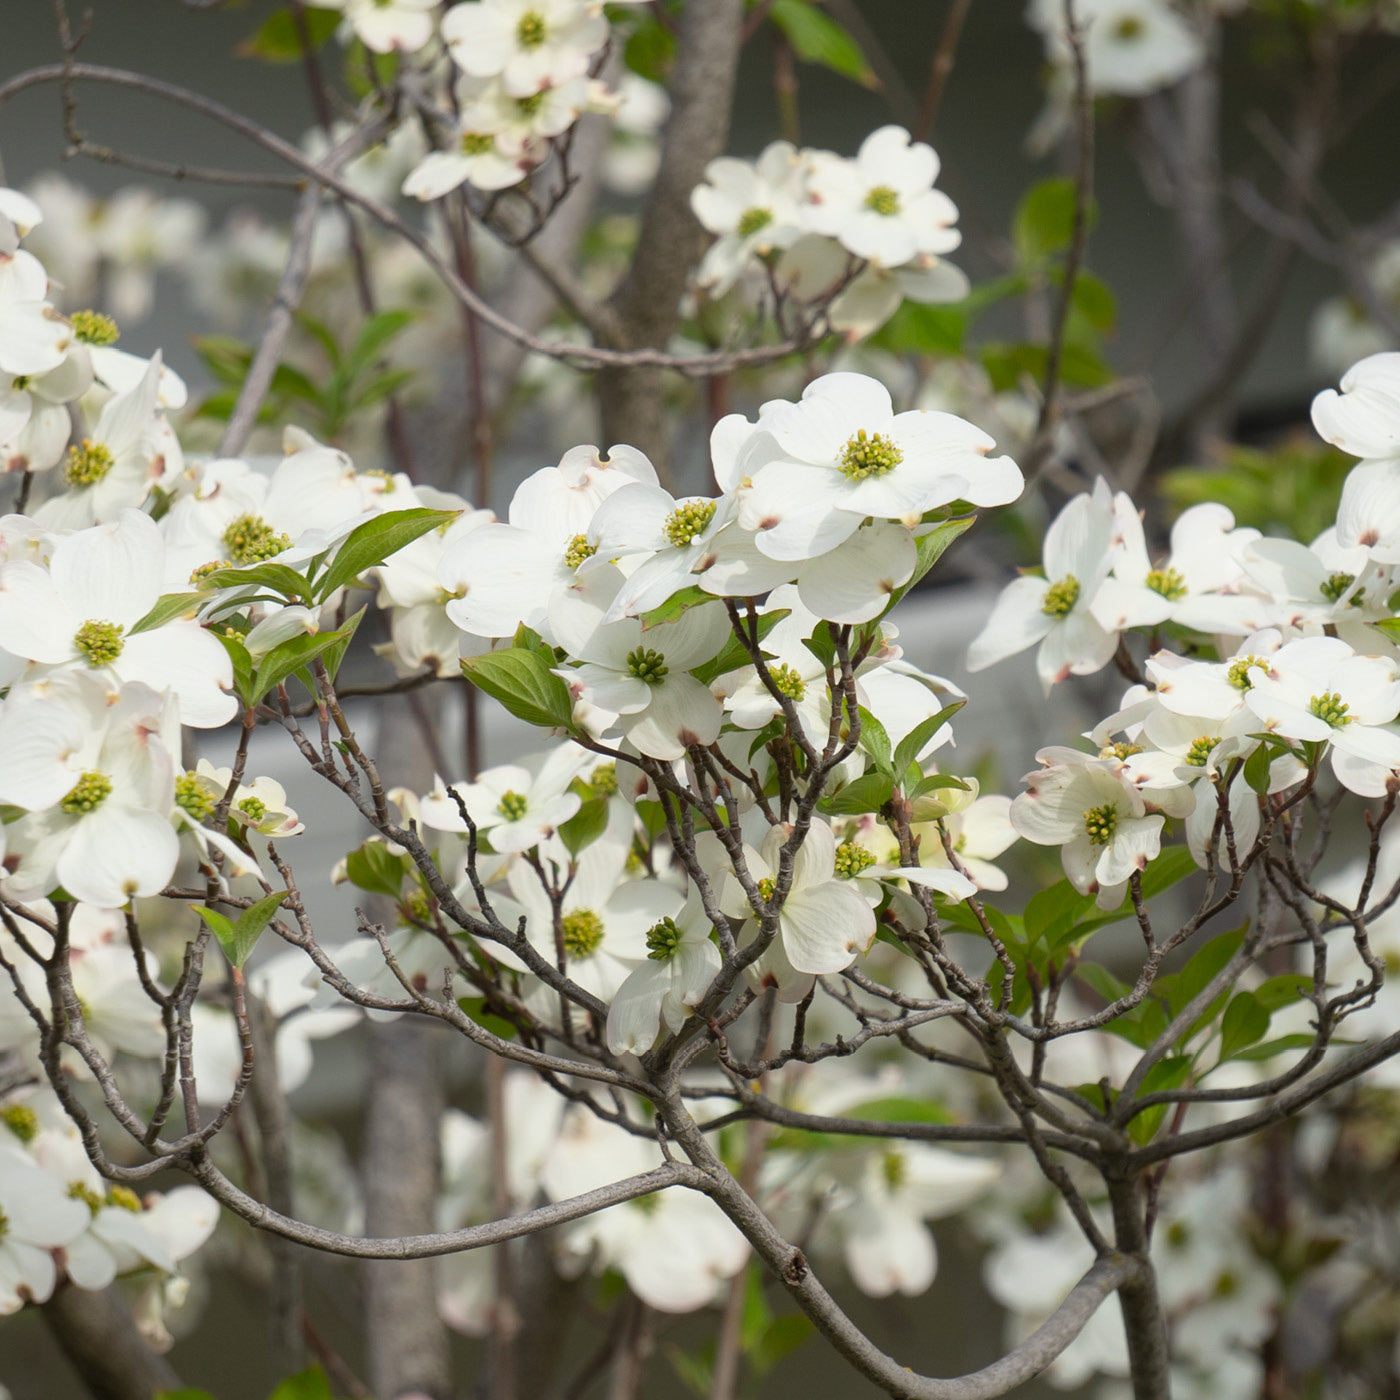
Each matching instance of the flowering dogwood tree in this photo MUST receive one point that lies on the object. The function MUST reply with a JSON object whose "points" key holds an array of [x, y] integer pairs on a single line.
{"points": [[748, 975]]}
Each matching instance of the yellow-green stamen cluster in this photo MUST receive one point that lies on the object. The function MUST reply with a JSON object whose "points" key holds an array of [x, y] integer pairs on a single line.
{"points": [[81, 1191], [883, 200], [663, 938], [88, 464], [869, 454], [250, 540], [125, 1198], [1100, 824], [21, 1120], [4, 1225], [419, 907], [751, 220], [583, 932], [647, 665], [578, 550], [1330, 708], [1199, 752], [851, 859], [1238, 674], [788, 681], [530, 32], [1061, 597], [1121, 750], [476, 143], [646, 1204], [100, 642], [687, 521], [895, 1170], [603, 779], [765, 889], [513, 806], [254, 808], [1168, 582], [1128, 28], [1333, 587], [87, 794], [93, 328], [529, 106], [193, 798], [202, 572]]}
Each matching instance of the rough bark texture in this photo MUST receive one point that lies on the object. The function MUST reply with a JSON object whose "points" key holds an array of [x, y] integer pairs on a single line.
{"points": [[97, 1335], [1143, 1321], [646, 301]]}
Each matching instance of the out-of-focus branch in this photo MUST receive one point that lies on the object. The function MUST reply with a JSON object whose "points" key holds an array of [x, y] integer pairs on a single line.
{"points": [[98, 1337], [940, 69]]}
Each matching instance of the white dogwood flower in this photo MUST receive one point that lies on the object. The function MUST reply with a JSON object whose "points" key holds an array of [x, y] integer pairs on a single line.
{"points": [[529, 44]]}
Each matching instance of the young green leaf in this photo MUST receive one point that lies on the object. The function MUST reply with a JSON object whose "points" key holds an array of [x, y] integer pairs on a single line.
{"points": [[1246, 1021], [167, 608], [375, 869], [238, 939], [374, 541], [585, 826], [522, 681], [817, 38], [876, 742], [866, 794], [907, 750]]}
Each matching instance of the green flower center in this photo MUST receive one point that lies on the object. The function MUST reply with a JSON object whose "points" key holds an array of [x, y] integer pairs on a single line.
{"points": [[1128, 28], [869, 454], [1061, 597], [583, 932], [1121, 750], [1100, 824], [647, 665], [193, 798], [751, 220], [646, 1204], [788, 681], [663, 938], [530, 32], [21, 1120], [603, 779], [851, 859], [254, 808], [1331, 709], [1199, 752], [4, 1226], [1178, 1234], [202, 572], [1238, 674], [512, 806], [883, 200], [1333, 588], [87, 794], [1168, 582], [93, 328], [765, 889], [579, 549], [88, 464], [81, 1191], [476, 143], [124, 1197], [529, 106], [100, 642], [687, 521], [894, 1169], [250, 540]]}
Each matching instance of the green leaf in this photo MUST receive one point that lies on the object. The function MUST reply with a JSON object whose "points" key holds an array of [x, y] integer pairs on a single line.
{"points": [[1080, 366], [276, 40], [1169, 1073], [650, 50], [334, 654], [186, 1394], [817, 38], [242, 666], [1245, 1023], [523, 682], [238, 939], [1094, 301], [1256, 770], [782, 1337], [898, 1109], [866, 794], [585, 826], [167, 608], [374, 335], [876, 742], [226, 358], [373, 542], [734, 654], [1267, 1049], [277, 579], [475, 1007], [290, 656], [1051, 913], [907, 750], [310, 1384], [924, 330], [692, 596], [936, 781], [1201, 970], [930, 548], [1044, 220], [375, 869]]}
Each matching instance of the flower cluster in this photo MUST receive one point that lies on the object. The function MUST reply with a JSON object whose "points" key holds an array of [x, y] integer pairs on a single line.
{"points": [[861, 233]]}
